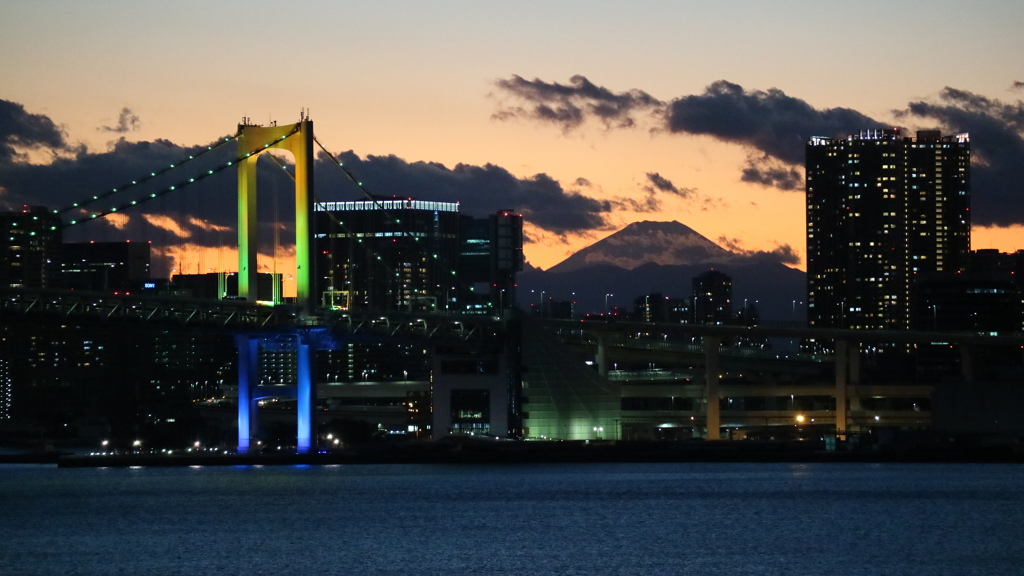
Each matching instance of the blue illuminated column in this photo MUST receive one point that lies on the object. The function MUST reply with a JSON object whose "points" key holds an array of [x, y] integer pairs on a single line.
{"points": [[304, 396], [247, 369]]}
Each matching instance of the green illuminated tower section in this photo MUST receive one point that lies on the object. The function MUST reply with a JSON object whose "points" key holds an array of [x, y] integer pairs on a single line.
{"points": [[253, 140]]}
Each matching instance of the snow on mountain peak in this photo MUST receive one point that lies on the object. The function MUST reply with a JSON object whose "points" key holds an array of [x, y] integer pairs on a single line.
{"points": [[665, 243]]}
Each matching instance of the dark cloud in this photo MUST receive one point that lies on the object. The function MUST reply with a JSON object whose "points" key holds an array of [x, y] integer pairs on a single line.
{"points": [[21, 131], [766, 120], [482, 190], [649, 203], [659, 183], [195, 209], [771, 173], [210, 204], [127, 121], [708, 204], [730, 244], [775, 128], [653, 185], [569, 105], [783, 253], [996, 129]]}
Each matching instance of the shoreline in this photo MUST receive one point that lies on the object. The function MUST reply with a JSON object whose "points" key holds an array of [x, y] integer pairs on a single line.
{"points": [[549, 453]]}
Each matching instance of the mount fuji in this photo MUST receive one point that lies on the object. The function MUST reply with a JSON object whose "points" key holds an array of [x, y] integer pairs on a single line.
{"points": [[664, 257]]}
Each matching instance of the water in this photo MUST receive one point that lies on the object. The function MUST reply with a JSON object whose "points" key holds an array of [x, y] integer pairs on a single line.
{"points": [[523, 519]]}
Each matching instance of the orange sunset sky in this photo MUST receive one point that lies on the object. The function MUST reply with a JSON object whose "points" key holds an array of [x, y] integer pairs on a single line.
{"points": [[508, 84]]}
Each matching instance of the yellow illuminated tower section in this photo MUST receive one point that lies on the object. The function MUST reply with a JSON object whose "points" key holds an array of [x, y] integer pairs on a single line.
{"points": [[253, 140]]}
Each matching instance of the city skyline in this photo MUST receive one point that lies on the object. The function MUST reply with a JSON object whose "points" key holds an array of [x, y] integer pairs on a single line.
{"points": [[570, 116]]}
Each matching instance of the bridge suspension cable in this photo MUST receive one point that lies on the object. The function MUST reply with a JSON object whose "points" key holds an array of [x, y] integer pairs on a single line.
{"points": [[376, 203], [181, 184], [145, 179], [372, 252]]}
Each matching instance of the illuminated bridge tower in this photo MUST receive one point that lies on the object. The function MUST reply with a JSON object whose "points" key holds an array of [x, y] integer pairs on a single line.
{"points": [[297, 139], [252, 141], [301, 345]]}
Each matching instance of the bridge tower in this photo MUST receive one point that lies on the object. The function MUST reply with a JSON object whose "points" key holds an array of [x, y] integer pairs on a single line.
{"points": [[297, 139], [250, 392]]}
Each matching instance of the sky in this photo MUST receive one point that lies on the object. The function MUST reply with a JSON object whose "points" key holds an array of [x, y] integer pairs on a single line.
{"points": [[584, 116]]}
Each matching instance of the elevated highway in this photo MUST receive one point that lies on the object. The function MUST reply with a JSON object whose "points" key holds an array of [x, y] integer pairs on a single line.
{"points": [[705, 371]]}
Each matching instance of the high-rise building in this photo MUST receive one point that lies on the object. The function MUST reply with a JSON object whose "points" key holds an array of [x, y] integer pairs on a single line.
{"points": [[104, 266], [712, 298], [387, 254], [882, 209], [490, 255], [650, 308], [29, 247], [407, 255], [416, 255]]}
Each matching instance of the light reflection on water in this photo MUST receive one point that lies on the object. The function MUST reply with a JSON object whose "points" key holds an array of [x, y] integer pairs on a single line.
{"points": [[524, 519]]}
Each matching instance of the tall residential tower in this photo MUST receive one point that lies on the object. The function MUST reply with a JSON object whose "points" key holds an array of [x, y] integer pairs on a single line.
{"points": [[882, 209]]}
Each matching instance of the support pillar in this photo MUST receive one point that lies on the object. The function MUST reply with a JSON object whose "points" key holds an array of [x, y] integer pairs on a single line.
{"points": [[711, 393], [853, 363], [247, 372], [602, 354], [842, 358], [967, 355], [305, 397]]}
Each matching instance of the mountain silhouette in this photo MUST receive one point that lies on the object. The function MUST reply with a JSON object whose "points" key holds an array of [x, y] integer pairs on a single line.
{"points": [[663, 257], [665, 243]]}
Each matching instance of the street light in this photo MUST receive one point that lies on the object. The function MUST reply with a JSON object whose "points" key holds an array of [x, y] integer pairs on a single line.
{"points": [[606, 309], [795, 302]]}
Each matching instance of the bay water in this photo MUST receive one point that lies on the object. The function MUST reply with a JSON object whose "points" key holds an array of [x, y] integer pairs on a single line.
{"points": [[666, 518]]}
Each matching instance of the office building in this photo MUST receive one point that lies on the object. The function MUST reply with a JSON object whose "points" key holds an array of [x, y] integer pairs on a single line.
{"points": [[29, 248], [224, 285], [406, 255], [650, 308], [104, 266], [882, 210], [415, 256], [712, 298], [490, 255], [993, 264], [387, 254]]}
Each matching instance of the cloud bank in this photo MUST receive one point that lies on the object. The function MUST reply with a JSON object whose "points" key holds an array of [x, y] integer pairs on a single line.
{"points": [[21, 131], [482, 190], [205, 212], [997, 148], [127, 121], [774, 127], [569, 105]]}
